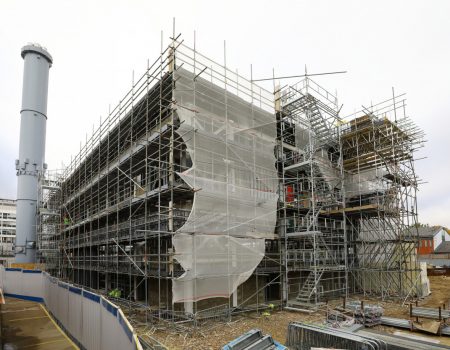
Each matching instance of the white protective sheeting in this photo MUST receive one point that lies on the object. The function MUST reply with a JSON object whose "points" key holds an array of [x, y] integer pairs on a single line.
{"points": [[365, 182], [231, 145], [215, 265]]}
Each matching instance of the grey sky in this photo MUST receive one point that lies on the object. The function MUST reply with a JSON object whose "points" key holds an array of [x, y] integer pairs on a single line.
{"points": [[97, 44]]}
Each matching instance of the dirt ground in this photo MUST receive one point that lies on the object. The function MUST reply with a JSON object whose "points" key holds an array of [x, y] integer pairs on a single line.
{"points": [[440, 295], [440, 292], [215, 335]]}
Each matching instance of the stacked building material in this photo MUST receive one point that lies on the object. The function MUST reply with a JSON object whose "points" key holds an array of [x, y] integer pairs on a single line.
{"points": [[429, 312], [445, 330], [307, 336], [396, 322], [428, 326], [339, 318], [368, 315], [254, 340], [405, 341], [336, 316]]}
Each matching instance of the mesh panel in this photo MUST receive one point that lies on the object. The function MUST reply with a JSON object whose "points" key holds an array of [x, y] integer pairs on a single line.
{"points": [[231, 144]]}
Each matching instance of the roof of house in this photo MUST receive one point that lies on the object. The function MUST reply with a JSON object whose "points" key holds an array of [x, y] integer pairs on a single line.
{"points": [[444, 247], [428, 231]]}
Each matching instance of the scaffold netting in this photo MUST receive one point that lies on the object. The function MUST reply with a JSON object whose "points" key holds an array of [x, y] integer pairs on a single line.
{"points": [[231, 145]]}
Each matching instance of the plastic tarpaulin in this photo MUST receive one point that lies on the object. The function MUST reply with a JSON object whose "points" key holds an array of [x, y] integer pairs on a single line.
{"points": [[231, 145], [215, 265], [366, 182]]}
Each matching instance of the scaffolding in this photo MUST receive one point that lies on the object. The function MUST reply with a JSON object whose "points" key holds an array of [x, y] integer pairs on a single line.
{"points": [[173, 200], [349, 210], [378, 148], [203, 195], [310, 169], [48, 220]]}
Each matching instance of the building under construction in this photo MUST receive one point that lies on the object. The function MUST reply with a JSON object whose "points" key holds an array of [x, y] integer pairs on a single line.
{"points": [[204, 194]]}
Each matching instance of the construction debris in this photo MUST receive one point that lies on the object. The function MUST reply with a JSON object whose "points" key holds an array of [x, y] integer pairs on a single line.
{"points": [[368, 315], [428, 326], [339, 318]]}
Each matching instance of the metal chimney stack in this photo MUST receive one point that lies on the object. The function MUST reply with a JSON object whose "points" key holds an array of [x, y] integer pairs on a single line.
{"points": [[33, 119]]}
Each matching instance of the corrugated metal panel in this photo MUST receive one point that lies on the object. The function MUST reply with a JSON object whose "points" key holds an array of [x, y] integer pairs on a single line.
{"points": [[75, 319], [32, 284], [91, 321], [13, 281], [2, 277], [63, 302], [45, 287], [110, 325], [53, 301], [126, 341]]}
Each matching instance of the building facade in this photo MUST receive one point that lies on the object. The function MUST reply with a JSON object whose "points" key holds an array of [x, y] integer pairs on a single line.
{"points": [[7, 229], [431, 238]]}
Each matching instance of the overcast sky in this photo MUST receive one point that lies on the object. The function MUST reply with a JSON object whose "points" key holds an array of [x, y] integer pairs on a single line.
{"points": [[96, 45]]}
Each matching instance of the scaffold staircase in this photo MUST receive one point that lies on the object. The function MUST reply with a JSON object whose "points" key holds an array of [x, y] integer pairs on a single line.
{"points": [[314, 251], [311, 106], [310, 286]]}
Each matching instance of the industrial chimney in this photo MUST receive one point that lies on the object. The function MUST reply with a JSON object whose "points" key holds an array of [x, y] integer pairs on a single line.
{"points": [[33, 118]]}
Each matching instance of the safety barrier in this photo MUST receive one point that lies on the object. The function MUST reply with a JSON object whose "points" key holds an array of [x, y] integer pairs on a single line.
{"points": [[92, 321]]}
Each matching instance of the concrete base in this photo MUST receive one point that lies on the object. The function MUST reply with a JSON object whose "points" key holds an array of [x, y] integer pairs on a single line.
{"points": [[26, 325]]}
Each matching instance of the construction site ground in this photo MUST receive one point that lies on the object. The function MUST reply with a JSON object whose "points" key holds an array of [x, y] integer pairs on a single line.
{"points": [[27, 325], [215, 334]]}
